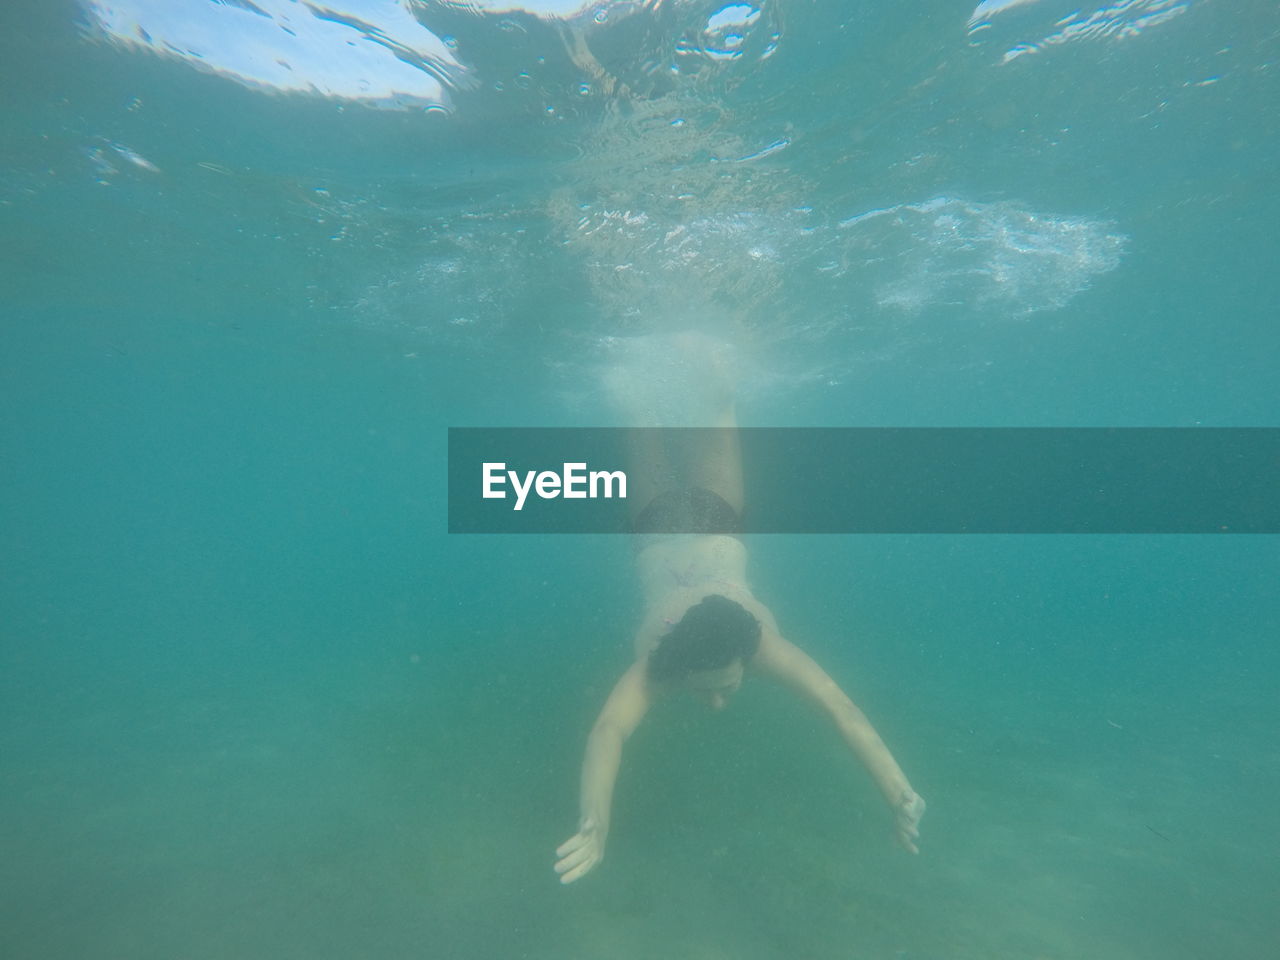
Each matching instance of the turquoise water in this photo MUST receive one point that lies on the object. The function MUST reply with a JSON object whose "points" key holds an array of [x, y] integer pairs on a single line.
{"points": [[256, 703]]}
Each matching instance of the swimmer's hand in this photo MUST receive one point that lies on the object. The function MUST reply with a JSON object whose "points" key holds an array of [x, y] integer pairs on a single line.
{"points": [[907, 813], [580, 852]]}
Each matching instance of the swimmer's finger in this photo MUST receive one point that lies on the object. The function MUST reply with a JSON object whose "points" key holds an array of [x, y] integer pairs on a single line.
{"points": [[578, 871], [572, 859], [575, 858], [573, 843], [576, 864]]}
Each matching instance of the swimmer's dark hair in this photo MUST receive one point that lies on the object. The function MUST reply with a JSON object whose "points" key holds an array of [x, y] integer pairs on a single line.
{"points": [[712, 634]]}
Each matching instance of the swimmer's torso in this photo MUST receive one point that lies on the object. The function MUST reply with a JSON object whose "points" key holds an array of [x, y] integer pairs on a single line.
{"points": [[677, 571]]}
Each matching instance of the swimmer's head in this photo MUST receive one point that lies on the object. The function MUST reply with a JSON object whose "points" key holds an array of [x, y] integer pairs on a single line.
{"points": [[715, 687], [706, 651]]}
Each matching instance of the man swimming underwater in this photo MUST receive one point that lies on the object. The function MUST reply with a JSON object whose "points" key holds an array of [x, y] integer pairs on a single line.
{"points": [[703, 631]]}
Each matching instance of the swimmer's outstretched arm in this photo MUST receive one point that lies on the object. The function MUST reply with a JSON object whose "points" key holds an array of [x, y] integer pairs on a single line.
{"points": [[799, 671], [622, 713]]}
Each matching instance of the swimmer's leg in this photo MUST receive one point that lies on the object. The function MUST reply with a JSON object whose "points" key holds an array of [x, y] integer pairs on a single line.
{"points": [[678, 380], [717, 464], [649, 470]]}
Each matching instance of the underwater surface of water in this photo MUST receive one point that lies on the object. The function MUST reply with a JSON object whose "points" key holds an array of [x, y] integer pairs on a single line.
{"points": [[256, 257]]}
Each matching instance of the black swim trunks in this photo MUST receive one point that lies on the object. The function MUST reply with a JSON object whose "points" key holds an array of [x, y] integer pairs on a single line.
{"points": [[688, 510]]}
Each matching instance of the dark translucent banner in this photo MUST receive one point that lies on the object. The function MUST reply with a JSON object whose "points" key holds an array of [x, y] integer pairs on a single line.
{"points": [[865, 480]]}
